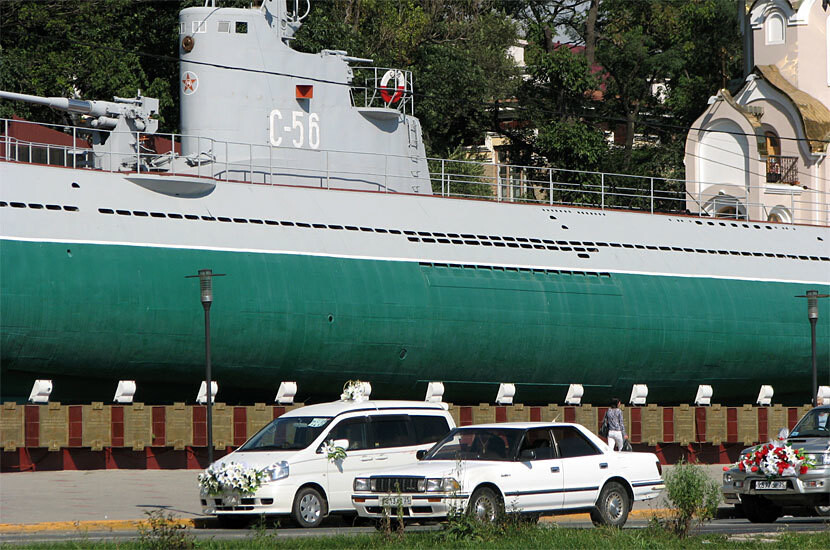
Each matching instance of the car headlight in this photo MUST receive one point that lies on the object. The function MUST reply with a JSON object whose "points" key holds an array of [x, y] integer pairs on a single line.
{"points": [[820, 459], [361, 484], [727, 478], [278, 470], [442, 484]]}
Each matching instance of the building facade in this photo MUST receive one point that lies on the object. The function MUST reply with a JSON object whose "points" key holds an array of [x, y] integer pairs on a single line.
{"points": [[762, 153]]}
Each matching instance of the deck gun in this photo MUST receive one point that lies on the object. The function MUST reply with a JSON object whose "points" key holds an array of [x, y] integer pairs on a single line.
{"points": [[115, 125]]}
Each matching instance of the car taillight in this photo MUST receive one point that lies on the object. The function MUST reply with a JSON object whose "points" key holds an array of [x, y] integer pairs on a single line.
{"points": [[659, 468]]}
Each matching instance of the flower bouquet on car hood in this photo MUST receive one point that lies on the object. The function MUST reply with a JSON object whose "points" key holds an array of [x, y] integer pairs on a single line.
{"points": [[775, 458], [231, 476]]}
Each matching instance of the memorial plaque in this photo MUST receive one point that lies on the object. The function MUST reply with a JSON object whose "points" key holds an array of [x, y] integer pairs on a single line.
{"points": [[257, 417], [748, 425], [54, 426], [553, 413], [518, 413], [138, 426], [651, 424], [716, 424], [178, 426], [587, 416], [776, 419], [12, 434], [222, 426], [96, 422], [684, 424], [484, 414]]}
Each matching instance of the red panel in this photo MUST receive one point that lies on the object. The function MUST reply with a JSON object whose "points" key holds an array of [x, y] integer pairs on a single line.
{"points": [[159, 430], [76, 426], [535, 414], [700, 424], [668, 424], [501, 414], [152, 461], [570, 414], [240, 425], [199, 426], [792, 417], [763, 428], [117, 426], [466, 416], [31, 427], [636, 435], [731, 425], [279, 411]]}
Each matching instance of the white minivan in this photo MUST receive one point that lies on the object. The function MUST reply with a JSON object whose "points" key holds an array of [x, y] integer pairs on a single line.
{"points": [[300, 475]]}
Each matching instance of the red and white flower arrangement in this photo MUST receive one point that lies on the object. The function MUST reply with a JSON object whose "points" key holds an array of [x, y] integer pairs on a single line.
{"points": [[772, 459]]}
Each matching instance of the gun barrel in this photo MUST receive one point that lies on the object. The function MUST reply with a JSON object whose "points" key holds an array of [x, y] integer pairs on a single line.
{"points": [[61, 103]]}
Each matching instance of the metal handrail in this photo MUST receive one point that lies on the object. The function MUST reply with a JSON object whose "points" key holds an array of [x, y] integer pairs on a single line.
{"points": [[458, 178]]}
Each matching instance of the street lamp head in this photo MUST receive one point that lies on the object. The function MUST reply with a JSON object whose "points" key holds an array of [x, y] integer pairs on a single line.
{"points": [[206, 285], [812, 303]]}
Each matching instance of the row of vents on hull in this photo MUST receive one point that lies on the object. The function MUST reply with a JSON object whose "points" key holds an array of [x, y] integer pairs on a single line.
{"points": [[582, 248]]}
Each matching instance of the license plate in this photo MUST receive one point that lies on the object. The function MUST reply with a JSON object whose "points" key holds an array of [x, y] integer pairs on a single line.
{"points": [[771, 485], [389, 502]]}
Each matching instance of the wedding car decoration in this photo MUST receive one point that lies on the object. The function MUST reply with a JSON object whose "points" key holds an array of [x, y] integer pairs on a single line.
{"points": [[231, 476], [333, 452], [356, 390], [775, 458]]}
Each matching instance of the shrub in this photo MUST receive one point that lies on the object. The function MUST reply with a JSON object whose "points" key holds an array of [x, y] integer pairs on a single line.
{"points": [[163, 532], [692, 497]]}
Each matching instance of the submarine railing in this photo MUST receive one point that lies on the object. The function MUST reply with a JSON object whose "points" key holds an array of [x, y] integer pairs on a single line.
{"points": [[458, 178]]}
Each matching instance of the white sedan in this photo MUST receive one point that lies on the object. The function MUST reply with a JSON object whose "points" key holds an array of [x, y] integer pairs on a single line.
{"points": [[529, 468]]}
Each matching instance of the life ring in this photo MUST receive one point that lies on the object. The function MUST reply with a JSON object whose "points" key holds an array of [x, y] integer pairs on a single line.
{"points": [[392, 95]]}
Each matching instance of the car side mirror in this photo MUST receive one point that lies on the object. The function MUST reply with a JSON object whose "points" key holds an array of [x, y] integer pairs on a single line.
{"points": [[344, 443], [420, 454], [527, 454], [783, 433]]}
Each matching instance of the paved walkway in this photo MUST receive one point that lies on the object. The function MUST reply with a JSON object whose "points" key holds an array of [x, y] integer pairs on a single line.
{"points": [[107, 495]]}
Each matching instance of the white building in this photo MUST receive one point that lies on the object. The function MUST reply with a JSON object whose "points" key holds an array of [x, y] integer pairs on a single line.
{"points": [[763, 152]]}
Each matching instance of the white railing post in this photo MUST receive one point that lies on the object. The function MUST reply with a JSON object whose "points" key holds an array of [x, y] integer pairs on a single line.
{"points": [[74, 147], [385, 173], [443, 172], [651, 196], [328, 171], [498, 182], [550, 186], [792, 208], [251, 161], [602, 190], [138, 152]]}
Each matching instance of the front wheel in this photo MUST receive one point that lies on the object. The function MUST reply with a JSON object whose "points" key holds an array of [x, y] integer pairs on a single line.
{"points": [[823, 511], [309, 507], [485, 505], [612, 506]]}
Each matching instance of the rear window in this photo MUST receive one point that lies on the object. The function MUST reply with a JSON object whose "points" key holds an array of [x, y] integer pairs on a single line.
{"points": [[429, 429], [391, 431]]}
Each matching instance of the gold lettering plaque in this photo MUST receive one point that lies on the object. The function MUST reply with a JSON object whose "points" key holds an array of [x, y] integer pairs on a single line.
{"points": [[684, 424], [54, 426], [553, 413], [716, 424], [256, 418], [518, 413], [138, 426], [222, 426], [178, 426], [484, 414], [12, 434], [651, 424], [97, 426], [776, 419], [587, 416], [748, 425]]}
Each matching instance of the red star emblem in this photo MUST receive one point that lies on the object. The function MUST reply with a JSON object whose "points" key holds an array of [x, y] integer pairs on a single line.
{"points": [[189, 82]]}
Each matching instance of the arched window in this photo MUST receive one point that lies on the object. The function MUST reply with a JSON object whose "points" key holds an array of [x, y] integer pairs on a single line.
{"points": [[776, 28]]}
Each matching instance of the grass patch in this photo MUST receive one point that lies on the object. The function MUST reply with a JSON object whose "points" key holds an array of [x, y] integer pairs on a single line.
{"points": [[508, 538]]}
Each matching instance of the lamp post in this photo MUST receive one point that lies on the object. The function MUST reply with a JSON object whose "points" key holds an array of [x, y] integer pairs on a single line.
{"points": [[206, 291], [812, 315]]}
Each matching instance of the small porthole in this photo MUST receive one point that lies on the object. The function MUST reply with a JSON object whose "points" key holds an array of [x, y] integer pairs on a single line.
{"points": [[158, 214], [71, 208], [75, 185], [52, 207], [191, 217], [240, 220], [223, 219], [331, 318], [123, 212], [106, 211], [174, 216], [140, 214], [68, 252], [402, 355], [35, 206], [255, 221], [319, 226], [287, 224], [564, 227]]}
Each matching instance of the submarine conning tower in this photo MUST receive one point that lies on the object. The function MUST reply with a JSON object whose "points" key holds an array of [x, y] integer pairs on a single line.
{"points": [[248, 101]]}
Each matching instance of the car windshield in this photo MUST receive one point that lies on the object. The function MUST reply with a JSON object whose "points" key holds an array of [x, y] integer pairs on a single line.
{"points": [[477, 444], [815, 423], [287, 433]]}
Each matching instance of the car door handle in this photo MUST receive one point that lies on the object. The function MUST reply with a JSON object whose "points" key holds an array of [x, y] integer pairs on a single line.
{"points": [[603, 465], [381, 457], [554, 469], [366, 459]]}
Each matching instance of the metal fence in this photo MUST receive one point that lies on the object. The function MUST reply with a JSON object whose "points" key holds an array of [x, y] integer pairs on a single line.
{"points": [[470, 179]]}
